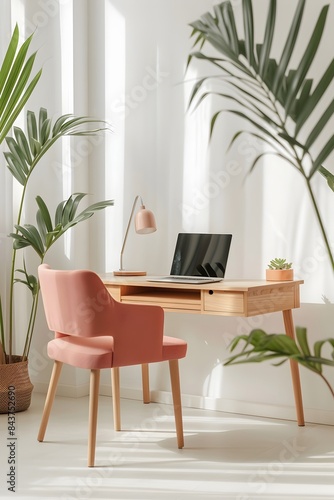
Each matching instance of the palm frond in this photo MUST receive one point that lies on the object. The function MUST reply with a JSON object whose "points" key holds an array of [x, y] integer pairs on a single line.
{"points": [[277, 97], [27, 149], [44, 235], [16, 83], [291, 87], [260, 346]]}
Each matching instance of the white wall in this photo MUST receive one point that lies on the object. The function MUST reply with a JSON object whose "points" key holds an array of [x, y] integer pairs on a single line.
{"points": [[129, 68]]}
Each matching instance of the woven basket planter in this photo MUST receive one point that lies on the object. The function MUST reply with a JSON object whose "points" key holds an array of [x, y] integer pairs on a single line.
{"points": [[15, 386]]}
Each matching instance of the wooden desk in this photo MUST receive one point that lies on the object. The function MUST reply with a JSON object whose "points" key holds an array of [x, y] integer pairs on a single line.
{"points": [[226, 298]]}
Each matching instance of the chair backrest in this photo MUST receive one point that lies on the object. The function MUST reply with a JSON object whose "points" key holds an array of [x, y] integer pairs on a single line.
{"points": [[75, 302], [78, 303]]}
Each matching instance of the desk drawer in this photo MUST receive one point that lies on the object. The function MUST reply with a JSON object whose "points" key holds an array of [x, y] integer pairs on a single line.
{"points": [[224, 302]]}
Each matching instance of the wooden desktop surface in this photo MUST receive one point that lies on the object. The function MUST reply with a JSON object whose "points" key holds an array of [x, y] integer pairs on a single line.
{"points": [[241, 298]]}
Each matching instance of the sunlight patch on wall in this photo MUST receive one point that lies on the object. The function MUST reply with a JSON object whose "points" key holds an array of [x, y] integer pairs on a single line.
{"points": [[115, 72], [213, 383], [195, 201], [67, 88]]}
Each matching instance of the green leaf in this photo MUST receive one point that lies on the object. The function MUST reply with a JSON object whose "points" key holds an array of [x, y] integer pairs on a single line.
{"points": [[247, 11], [301, 335], [268, 38], [307, 59], [16, 72], [58, 124], [15, 169], [230, 25], [28, 235], [311, 103], [17, 107], [319, 126], [30, 280], [15, 88], [17, 155], [324, 153], [59, 213], [328, 176], [45, 131], [32, 131], [43, 219], [9, 58], [23, 144], [70, 207], [289, 46]]}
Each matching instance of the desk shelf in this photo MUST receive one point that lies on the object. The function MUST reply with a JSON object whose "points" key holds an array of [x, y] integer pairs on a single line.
{"points": [[171, 300]]}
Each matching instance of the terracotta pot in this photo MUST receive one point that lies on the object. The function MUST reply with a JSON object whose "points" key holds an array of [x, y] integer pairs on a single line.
{"points": [[15, 386], [279, 274]]}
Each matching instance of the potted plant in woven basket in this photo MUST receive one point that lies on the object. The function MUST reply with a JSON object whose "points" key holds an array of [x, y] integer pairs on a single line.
{"points": [[25, 150]]}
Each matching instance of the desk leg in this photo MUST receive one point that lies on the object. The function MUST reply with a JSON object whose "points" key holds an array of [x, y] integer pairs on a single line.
{"points": [[289, 330], [145, 383]]}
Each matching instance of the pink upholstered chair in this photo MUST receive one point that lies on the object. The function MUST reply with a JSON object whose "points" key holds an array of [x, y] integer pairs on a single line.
{"points": [[94, 331]]}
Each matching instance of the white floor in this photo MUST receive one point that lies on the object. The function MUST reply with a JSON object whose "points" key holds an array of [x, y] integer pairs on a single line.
{"points": [[225, 456]]}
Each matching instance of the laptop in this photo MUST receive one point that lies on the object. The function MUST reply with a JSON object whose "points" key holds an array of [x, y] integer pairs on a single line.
{"points": [[198, 258]]}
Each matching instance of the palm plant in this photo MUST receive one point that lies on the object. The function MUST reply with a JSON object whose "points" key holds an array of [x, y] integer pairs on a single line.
{"points": [[260, 346], [278, 100], [25, 150], [282, 104]]}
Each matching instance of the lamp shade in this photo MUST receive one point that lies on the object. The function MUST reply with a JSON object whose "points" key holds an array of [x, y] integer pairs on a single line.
{"points": [[145, 221]]}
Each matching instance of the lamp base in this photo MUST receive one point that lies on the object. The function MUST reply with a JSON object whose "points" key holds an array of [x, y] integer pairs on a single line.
{"points": [[123, 272]]}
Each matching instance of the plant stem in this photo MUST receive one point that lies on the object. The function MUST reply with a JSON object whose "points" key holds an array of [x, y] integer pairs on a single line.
{"points": [[328, 384], [11, 292], [323, 231], [30, 328]]}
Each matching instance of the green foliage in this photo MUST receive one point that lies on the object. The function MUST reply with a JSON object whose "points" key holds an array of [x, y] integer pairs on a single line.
{"points": [[15, 83], [44, 235], [25, 150], [278, 263], [260, 346], [276, 96]]}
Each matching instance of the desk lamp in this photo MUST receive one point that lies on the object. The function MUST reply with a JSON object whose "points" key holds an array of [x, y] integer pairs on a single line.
{"points": [[144, 224]]}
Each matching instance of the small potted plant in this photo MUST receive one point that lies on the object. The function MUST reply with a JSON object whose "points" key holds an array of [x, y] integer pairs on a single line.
{"points": [[279, 270]]}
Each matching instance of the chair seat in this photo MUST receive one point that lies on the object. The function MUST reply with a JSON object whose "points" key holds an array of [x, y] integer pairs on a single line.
{"points": [[97, 352], [173, 348], [93, 353]]}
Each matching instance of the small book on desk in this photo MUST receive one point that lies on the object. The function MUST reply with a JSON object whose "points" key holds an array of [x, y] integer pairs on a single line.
{"points": [[198, 258]]}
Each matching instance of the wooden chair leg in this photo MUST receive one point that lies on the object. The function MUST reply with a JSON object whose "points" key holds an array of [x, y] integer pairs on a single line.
{"points": [[176, 392], [145, 383], [93, 409], [57, 366], [116, 398]]}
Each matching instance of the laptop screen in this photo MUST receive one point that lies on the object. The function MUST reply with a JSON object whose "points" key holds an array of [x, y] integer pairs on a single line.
{"points": [[201, 254]]}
